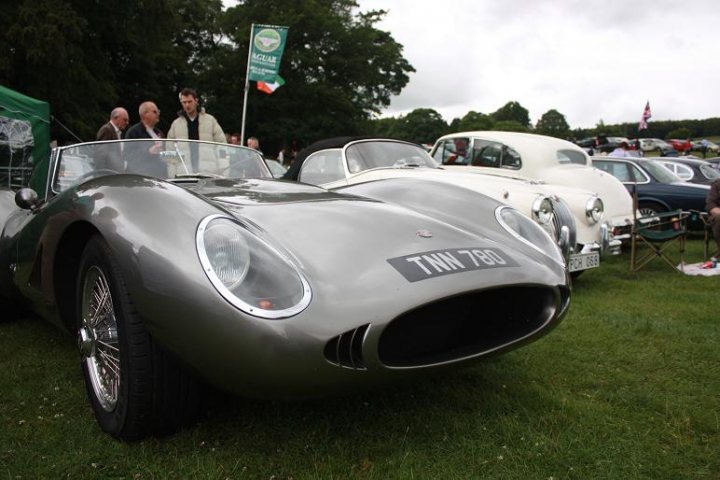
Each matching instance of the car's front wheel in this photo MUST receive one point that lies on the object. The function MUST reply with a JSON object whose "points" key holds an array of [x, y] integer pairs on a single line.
{"points": [[650, 208], [134, 387]]}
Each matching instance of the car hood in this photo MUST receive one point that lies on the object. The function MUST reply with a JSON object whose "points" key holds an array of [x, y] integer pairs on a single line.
{"points": [[618, 203], [330, 234]]}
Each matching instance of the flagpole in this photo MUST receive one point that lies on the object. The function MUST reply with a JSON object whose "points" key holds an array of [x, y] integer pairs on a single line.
{"points": [[247, 86]]}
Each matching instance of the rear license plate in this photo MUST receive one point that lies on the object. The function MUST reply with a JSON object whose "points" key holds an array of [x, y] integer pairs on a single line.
{"points": [[583, 261]]}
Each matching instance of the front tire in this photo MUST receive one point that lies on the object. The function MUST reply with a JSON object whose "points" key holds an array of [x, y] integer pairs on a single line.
{"points": [[650, 208], [134, 387]]}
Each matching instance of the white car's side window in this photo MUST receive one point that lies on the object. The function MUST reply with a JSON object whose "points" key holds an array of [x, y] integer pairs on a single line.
{"points": [[322, 167], [453, 151], [486, 153]]}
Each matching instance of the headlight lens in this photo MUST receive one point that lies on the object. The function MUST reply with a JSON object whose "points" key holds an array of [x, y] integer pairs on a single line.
{"points": [[248, 272], [529, 232], [542, 209], [227, 252], [594, 210]]}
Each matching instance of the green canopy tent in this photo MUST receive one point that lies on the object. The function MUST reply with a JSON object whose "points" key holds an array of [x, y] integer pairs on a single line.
{"points": [[24, 136]]}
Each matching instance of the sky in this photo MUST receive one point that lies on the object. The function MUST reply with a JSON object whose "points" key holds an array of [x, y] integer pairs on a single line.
{"points": [[591, 60]]}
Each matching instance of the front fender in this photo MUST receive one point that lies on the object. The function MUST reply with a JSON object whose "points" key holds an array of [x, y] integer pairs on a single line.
{"points": [[149, 225]]}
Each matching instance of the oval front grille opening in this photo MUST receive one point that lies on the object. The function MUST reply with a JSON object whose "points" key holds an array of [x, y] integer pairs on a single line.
{"points": [[466, 326]]}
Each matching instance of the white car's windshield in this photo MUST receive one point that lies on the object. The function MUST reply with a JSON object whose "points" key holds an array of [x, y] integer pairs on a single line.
{"points": [[161, 158], [381, 154]]}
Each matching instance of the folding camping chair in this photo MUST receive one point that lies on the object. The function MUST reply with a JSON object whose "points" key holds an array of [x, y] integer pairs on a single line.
{"points": [[657, 232]]}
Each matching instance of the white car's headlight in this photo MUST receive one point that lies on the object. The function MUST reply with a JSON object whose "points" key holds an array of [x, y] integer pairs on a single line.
{"points": [[529, 232], [542, 210], [248, 272], [594, 210]]}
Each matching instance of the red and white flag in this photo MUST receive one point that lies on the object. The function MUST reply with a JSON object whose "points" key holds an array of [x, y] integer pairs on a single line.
{"points": [[646, 115], [269, 88]]}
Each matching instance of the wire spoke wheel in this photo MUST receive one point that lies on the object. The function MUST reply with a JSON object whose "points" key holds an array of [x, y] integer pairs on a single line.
{"points": [[98, 338], [134, 387]]}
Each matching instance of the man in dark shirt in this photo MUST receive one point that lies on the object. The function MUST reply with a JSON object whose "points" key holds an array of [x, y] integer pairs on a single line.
{"points": [[143, 157], [110, 156]]}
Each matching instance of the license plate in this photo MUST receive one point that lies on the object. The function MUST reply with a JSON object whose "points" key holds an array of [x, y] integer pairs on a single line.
{"points": [[583, 261]]}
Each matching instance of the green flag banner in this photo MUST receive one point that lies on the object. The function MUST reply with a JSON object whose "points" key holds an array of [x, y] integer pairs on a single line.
{"points": [[266, 49]]}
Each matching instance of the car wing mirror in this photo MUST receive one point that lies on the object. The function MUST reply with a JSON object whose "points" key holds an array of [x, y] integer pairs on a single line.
{"points": [[27, 199]]}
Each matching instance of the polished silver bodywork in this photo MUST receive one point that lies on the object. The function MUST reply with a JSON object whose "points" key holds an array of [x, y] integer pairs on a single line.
{"points": [[366, 321]]}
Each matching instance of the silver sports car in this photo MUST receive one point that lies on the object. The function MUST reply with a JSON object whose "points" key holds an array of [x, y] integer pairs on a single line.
{"points": [[175, 263]]}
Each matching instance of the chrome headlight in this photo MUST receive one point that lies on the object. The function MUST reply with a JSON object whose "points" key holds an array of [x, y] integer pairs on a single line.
{"points": [[528, 232], [594, 210], [248, 272], [542, 210]]}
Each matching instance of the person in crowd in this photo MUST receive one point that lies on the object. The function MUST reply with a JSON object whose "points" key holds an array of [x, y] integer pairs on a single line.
{"points": [[621, 151], [193, 123], [147, 126], [109, 157], [143, 157], [113, 130], [253, 142], [234, 139], [704, 147], [712, 205]]}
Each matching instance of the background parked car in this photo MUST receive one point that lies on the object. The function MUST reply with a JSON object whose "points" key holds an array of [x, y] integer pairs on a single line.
{"points": [[539, 158], [658, 189], [658, 145], [602, 144], [704, 146], [691, 169], [682, 146]]}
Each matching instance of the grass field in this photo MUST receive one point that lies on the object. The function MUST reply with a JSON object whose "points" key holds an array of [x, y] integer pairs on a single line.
{"points": [[627, 387]]}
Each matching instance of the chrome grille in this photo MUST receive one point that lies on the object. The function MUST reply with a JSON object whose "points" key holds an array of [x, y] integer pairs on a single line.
{"points": [[564, 217]]}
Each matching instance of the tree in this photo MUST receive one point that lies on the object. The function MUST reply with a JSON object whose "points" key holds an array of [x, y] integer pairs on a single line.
{"points": [[382, 127], [512, 111], [338, 70], [422, 125], [681, 132], [553, 123], [475, 121], [85, 58], [510, 126]]}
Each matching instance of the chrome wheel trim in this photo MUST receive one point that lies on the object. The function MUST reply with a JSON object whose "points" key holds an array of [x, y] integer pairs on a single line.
{"points": [[646, 211], [98, 339]]}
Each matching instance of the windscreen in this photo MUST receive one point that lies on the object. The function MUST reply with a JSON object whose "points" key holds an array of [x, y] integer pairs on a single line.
{"points": [[383, 154], [159, 158]]}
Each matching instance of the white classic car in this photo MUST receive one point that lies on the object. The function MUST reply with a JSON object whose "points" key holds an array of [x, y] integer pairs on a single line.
{"points": [[544, 159], [336, 163]]}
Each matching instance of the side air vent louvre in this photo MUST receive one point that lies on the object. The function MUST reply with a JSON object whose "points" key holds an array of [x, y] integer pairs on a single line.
{"points": [[345, 350]]}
